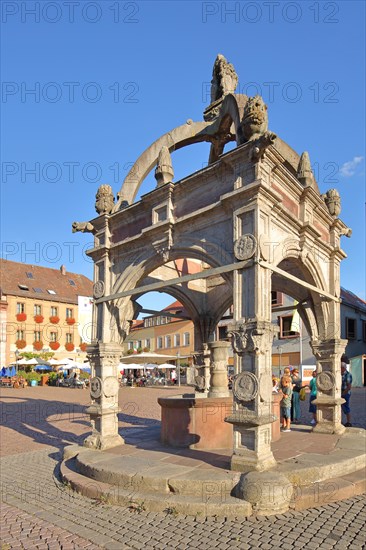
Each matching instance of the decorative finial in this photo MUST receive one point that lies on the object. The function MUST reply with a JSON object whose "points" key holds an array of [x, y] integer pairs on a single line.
{"points": [[105, 199], [164, 172], [333, 201], [224, 78], [304, 172]]}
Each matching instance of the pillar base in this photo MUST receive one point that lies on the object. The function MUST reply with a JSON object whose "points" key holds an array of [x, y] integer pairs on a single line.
{"points": [[99, 442], [250, 463], [328, 415]]}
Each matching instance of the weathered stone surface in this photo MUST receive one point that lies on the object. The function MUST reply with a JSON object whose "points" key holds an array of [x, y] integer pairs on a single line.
{"points": [[268, 492]]}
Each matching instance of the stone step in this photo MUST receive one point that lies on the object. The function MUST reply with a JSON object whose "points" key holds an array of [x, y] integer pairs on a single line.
{"points": [[331, 490], [151, 476], [210, 504]]}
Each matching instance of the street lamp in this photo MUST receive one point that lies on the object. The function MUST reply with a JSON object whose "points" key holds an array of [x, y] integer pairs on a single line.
{"points": [[16, 360]]}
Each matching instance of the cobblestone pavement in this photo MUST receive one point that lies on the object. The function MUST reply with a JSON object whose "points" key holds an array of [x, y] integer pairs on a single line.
{"points": [[38, 511]]}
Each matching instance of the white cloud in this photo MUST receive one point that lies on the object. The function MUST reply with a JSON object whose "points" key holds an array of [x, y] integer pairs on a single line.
{"points": [[348, 169]]}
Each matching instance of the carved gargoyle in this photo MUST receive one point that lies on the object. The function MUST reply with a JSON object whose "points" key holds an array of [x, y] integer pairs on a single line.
{"points": [[261, 144], [83, 227]]}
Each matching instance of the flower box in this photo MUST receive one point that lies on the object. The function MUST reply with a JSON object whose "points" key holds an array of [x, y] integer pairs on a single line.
{"points": [[20, 344], [69, 346], [70, 320], [38, 345], [54, 319], [83, 346], [21, 317], [38, 318], [54, 345]]}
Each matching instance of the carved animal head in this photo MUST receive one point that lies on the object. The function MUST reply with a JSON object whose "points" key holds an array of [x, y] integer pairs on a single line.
{"points": [[255, 119]]}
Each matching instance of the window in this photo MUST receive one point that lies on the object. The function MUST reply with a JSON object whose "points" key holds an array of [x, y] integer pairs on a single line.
{"points": [[364, 331], [68, 338], [147, 343], [186, 339], [163, 320], [37, 336], [351, 328], [37, 289], [37, 309], [139, 344], [159, 342], [72, 283], [176, 340], [20, 334], [285, 327], [276, 298], [51, 291], [130, 345], [54, 311], [69, 313], [168, 341], [161, 214], [20, 307], [29, 275], [53, 336], [222, 333], [23, 287]]}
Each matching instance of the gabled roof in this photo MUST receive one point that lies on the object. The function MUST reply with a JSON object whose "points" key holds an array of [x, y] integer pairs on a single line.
{"points": [[349, 298], [42, 283]]}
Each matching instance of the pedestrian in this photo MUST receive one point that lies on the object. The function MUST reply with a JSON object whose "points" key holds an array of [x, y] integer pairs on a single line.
{"points": [[313, 394], [346, 393], [295, 403], [286, 389], [174, 376]]}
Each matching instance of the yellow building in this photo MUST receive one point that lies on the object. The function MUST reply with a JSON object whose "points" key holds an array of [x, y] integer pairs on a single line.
{"points": [[40, 310], [162, 333]]}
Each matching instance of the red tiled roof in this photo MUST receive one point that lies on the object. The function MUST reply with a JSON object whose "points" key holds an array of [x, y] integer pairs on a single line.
{"points": [[40, 280]]}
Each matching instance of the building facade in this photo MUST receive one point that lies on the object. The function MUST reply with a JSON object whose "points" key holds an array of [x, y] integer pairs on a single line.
{"points": [[162, 333], [40, 311], [291, 342]]}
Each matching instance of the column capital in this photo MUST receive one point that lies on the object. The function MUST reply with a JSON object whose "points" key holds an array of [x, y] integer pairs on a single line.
{"points": [[324, 349], [251, 336]]}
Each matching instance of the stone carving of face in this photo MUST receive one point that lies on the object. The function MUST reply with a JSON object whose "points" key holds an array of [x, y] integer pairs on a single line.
{"points": [[255, 119]]}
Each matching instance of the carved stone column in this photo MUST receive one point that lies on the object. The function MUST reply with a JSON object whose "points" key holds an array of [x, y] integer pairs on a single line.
{"points": [[104, 359], [219, 361], [252, 388], [329, 381]]}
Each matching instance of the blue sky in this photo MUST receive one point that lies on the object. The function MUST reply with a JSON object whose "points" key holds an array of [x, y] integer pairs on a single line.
{"points": [[110, 77]]}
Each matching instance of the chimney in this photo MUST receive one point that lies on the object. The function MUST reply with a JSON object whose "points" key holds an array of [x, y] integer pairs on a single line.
{"points": [[63, 270]]}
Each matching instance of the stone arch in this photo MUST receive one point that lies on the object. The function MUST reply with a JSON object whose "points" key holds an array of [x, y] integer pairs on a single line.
{"points": [[204, 316], [230, 113], [291, 257]]}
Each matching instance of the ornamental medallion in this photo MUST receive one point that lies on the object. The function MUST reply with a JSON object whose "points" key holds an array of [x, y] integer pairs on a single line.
{"points": [[98, 289], [245, 247], [325, 381], [110, 386], [245, 386], [96, 387]]}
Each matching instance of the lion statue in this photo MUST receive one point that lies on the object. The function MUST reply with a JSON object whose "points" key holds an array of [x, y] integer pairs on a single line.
{"points": [[255, 118]]}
